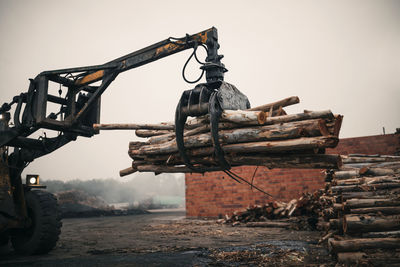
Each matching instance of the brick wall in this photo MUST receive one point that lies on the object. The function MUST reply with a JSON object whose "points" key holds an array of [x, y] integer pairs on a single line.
{"points": [[214, 194]]}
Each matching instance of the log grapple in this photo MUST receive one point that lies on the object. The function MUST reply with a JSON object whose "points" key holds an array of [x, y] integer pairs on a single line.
{"points": [[77, 109]]}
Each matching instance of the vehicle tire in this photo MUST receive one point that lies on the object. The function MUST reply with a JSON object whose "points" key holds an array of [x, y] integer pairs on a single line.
{"points": [[43, 233], [4, 244]]}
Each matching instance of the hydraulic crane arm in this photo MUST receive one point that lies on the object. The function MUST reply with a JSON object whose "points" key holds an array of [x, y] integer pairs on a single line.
{"points": [[80, 108]]}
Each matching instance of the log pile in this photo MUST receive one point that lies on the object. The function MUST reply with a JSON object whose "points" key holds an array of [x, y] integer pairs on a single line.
{"points": [[263, 135], [362, 220], [307, 206]]}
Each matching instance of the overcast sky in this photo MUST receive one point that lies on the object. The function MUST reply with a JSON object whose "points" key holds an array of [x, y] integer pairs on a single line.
{"points": [[338, 55]]}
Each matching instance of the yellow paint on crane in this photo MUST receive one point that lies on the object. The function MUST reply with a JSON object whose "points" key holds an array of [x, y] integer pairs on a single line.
{"points": [[95, 76]]}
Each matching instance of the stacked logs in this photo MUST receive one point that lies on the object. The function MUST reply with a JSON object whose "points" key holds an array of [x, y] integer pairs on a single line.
{"points": [[362, 216], [307, 206], [264, 135]]}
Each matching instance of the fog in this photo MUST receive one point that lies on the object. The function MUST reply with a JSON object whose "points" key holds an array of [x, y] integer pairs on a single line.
{"points": [[338, 55], [131, 190]]}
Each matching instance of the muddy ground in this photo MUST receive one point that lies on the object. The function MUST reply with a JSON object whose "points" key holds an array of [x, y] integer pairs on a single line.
{"points": [[170, 239]]}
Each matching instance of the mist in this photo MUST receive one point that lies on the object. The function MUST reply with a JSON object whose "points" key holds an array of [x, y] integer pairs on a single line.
{"points": [[136, 189], [338, 55]]}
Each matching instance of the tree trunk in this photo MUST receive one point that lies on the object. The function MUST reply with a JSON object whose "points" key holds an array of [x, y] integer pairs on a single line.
{"points": [[341, 175], [381, 234], [281, 103], [377, 210], [244, 117], [362, 195], [360, 244], [376, 171], [364, 203], [133, 126], [126, 171], [367, 180], [319, 161], [150, 133], [365, 223], [350, 188], [316, 161]]}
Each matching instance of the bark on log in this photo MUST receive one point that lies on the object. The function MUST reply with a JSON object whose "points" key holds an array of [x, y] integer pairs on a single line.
{"points": [[336, 224], [369, 194], [350, 257], [301, 161], [249, 134], [389, 258], [134, 126], [354, 223], [363, 159], [355, 188], [150, 133], [367, 180], [360, 244], [340, 175], [381, 234], [365, 203], [376, 171], [244, 117], [166, 169], [264, 146], [337, 125], [126, 171], [281, 103], [391, 210]]}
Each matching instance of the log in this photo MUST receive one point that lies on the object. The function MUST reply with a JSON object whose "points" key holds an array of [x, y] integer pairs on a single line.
{"points": [[337, 125], [336, 224], [369, 194], [354, 223], [389, 258], [306, 161], [391, 210], [300, 161], [345, 174], [244, 117], [198, 130], [349, 188], [376, 171], [364, 203], [361, 244], [167, 169], [126, 171], [276, 105], [350, 257], [263, 146], [363, 159], [269, 224], [134, 126], [381, 234], [367, 180], [150, 133]]}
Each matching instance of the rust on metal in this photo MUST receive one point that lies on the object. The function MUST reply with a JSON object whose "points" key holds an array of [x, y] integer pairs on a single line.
{"points": [[95, 76]]}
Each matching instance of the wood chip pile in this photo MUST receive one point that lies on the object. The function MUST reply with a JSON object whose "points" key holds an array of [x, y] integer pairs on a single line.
{"points": [[264, 136], [362, 215]]}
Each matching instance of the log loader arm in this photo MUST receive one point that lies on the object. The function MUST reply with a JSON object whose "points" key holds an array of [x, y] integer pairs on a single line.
{"points": [[80, 108]]}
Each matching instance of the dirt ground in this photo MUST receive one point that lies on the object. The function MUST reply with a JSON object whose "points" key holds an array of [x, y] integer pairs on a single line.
{"points": [[170, 239]]}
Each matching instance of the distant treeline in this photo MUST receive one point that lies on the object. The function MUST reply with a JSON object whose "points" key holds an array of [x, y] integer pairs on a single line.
{"points": [[129, 190]]}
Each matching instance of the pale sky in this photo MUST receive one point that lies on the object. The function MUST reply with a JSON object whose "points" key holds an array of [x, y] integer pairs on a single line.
{"points": [[338, 55]]}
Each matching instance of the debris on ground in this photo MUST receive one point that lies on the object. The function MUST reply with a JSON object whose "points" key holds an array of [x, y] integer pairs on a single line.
{"points": [[77, 203]]}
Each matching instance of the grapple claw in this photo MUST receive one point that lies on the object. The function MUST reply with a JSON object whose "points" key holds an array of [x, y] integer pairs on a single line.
{"points": [[204, 100]]}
